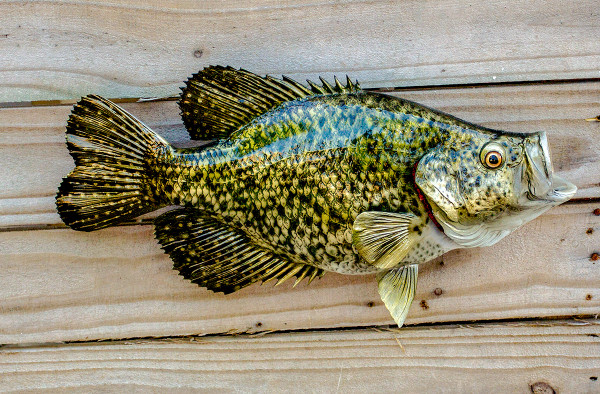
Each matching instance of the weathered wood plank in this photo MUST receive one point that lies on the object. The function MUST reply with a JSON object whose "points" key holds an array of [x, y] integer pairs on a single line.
{"points": [[60, 285], [65, 49], [483, 358], [34, 158]]}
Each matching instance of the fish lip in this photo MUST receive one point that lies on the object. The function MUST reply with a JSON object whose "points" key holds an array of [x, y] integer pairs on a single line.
{"points": [[561, 190]]}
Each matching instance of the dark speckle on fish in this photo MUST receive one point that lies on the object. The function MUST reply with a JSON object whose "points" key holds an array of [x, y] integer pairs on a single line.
{"points": [[305, 179]]}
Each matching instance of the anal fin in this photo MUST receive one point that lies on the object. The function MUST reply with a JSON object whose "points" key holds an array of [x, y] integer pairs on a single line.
{"points": [[397, 289], [218, 257]]}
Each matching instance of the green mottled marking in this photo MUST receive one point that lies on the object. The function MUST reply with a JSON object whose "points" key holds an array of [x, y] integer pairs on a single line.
{"points": [[279, 193], [295, 178]]}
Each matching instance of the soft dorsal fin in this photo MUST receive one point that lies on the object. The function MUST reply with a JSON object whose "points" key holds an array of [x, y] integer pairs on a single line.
{"points": [[220, 258], [219, 100]]}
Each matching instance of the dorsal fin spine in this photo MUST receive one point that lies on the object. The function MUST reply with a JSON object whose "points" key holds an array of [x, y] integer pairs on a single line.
{"points": [[326, 85], [283, 95], [338, 85], [315, 88], [288, 87], [302, 90], [252, 88], [217, 91], [217, 101]]}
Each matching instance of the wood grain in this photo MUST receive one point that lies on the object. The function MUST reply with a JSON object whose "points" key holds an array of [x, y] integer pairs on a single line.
{"points": [[490, 358], [124, 48], [34, 158], [62, 285]]}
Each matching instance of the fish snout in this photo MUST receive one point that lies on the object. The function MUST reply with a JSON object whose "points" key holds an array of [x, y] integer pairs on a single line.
{"points": [[538, 167], [539, 174]]}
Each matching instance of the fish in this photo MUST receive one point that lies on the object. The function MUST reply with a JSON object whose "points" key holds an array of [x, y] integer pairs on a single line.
{"points": [[300, 180]]}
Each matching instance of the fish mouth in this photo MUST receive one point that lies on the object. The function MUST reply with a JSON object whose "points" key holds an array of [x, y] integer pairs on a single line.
{"points": [[538, 173], [561, 190]]}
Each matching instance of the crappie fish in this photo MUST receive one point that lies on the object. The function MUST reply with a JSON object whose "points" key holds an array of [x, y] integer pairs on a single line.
{"points": [[305, 179]]}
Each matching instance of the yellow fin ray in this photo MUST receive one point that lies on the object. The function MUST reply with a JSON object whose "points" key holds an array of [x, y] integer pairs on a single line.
{"points": [[397, 289], [218, 257], [383, 239]]}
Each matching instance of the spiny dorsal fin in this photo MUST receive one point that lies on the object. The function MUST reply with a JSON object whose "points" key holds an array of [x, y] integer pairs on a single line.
{"points": [[220, 258], [219, 100]]}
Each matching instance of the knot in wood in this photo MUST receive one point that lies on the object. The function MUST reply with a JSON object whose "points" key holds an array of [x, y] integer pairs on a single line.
{"points": [[542, 388]]}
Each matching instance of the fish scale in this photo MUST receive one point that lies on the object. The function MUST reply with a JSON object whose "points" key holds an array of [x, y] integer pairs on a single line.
{"points": [[330, 163], [302, 180]]}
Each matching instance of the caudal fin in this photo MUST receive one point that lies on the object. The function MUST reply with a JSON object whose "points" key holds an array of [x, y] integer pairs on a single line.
{"points": [[112, 151]]}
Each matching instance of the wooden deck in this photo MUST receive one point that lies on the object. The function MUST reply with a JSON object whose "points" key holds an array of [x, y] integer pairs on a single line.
{"points": [[504, 320], [506, 357]]}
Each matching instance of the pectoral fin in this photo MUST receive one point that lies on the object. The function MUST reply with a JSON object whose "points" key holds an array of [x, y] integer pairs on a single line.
{"points": [[397, 289], [385, 238]]}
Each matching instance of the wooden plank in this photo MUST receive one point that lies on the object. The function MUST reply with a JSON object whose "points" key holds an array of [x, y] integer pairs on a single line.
{"points": [[121, 48], [34, 158], [62, 285], [486, 358]]}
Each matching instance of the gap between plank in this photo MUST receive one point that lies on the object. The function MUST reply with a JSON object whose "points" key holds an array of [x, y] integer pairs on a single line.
{"points": [[529, 322], [49, 103]]}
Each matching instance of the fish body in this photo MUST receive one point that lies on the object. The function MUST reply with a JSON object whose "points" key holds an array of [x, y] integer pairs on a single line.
{"points": [[296, 178], [306, 180]]}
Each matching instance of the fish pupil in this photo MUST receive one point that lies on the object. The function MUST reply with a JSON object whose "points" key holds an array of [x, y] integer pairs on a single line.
{"points": [[493, 159]]}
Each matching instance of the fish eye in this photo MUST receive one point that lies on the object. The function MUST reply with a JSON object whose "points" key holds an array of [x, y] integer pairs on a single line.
{"points": [[492, 156]]}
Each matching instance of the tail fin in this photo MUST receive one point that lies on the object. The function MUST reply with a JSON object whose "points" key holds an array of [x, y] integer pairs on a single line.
{"points": [[110, 182]]}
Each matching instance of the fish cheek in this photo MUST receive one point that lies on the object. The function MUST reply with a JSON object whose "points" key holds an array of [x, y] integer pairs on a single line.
{"points": [[458, 187], [487, 193]]}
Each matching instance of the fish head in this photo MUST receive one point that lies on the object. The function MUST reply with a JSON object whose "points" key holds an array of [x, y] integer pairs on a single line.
{"points": [[482, 185]]}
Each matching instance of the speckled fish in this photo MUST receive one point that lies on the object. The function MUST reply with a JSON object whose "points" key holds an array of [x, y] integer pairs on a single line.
{"points": [[305, 179]]}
